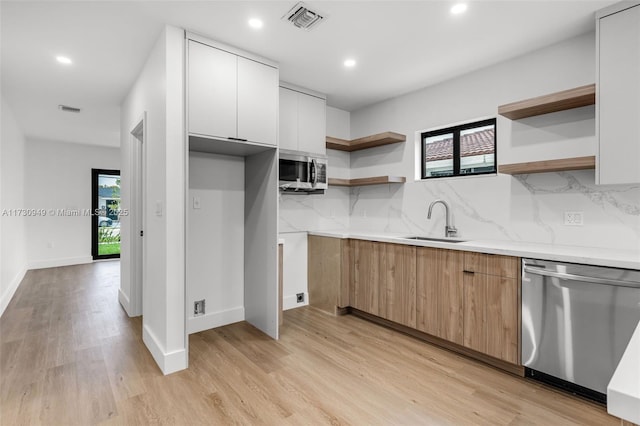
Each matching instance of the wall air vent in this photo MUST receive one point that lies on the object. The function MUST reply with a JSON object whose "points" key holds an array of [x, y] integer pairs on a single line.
{"points": [[302, 17], [66, 108]]}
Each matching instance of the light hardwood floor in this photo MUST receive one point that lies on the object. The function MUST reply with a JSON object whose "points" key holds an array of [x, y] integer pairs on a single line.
{"points": [[70, 355]]}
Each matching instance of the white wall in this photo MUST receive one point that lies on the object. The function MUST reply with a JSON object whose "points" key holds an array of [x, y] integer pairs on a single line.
{"points": [[158, 91], [527, 208], [58, 177], [13, 249], [215, 235]]}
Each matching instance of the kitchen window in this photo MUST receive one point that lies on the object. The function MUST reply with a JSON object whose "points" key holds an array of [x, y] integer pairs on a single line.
{"points": [[463, 150]]}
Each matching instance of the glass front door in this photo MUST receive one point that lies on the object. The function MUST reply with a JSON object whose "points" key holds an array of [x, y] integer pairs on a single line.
{"points": [[105, 220]]}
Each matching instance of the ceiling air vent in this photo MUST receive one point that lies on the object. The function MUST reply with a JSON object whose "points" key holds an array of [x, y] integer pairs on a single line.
{"points": [[302, 17], [66, 108]]}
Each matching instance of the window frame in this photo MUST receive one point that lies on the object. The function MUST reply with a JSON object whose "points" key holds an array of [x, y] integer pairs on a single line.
{"points": [[456, 130]]}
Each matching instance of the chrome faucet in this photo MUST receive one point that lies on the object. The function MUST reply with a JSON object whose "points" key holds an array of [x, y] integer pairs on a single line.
{"points": [[449, 230]]}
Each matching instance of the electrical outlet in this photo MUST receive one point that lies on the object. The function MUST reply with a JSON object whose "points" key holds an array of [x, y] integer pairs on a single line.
{"points": [[300, 298], [573, 218], [198, 308]]}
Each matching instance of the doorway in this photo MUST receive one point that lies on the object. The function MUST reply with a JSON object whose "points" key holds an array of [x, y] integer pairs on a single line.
{"points": [[105, 218], [137, 147]]}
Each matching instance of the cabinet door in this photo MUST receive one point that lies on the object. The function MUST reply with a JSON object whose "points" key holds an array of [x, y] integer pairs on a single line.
{"points": [[212, 91], [619, 97], [475, 309], [344, 295], [502, 318], [399, 296], [492, 264], [439, 293], [491, 305], [288, 119], [368, 276], [324, 272], [257, 102], [312, 124]]}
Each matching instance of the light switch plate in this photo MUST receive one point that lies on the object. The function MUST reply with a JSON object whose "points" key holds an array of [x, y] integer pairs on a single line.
{"points": [[574, 218], [196, 202]]}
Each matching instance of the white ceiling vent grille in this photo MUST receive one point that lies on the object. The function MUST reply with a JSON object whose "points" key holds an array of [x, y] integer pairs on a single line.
{"points": [[302, 17], [67, 108]]}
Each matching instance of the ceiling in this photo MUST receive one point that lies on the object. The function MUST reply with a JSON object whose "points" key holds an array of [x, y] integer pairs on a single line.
{"points": [[399, 46]]}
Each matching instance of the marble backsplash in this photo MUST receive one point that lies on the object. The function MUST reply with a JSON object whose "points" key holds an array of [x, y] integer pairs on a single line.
{"points": [[315, 212], [526, 208]]}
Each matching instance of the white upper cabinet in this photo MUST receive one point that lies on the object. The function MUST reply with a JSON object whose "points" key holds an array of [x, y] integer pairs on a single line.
{"points": [[288, 136], [212, 91], [230, 96], [312, 124], [303, 119], [618, 94], [257, 101]]}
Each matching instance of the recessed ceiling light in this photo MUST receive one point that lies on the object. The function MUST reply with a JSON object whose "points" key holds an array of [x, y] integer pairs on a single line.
{"points": [[459, 8], [63, 60], [255, 23], [350, 63]]}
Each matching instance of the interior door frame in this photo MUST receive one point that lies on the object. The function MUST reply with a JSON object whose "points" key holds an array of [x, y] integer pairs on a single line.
{"points": [[137, 137], [95, 173]]}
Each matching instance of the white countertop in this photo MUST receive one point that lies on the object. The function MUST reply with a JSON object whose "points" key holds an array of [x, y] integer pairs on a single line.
{"points": [[573, 254], [623, 392]]}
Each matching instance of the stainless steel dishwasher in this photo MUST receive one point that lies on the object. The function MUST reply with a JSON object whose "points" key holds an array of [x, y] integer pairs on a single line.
{"points": [[576, 323]]}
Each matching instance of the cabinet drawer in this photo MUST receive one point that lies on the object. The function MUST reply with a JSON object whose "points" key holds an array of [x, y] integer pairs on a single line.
{"points": [[492, 264]]}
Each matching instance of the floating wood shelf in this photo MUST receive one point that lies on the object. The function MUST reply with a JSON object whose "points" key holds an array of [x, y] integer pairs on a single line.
{"points": [[553, 102], [376, 180], [562, 165], [385, 138]]}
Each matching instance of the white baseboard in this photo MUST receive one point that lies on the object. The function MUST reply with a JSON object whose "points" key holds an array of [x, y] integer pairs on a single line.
{"points": [[54, 263], [11, 290], [290, 302], [215, 319], [124, 301], [168, 362]]}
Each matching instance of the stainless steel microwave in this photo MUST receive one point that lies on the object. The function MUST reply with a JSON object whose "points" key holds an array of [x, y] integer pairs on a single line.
{"points": [[302, 172]]}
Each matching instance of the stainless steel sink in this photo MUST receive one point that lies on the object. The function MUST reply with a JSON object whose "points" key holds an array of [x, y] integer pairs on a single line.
{"points": [[442, 240]]}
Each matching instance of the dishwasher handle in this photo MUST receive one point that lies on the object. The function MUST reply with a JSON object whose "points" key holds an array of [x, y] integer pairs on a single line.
{"points": [[573, 277]]}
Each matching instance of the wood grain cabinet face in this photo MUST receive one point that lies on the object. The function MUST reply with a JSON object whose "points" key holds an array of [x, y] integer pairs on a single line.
{"points": [[329, 272], [439, 293], [367, 275], [491, 305], [384, 281], [398, 297], [618, 96]]}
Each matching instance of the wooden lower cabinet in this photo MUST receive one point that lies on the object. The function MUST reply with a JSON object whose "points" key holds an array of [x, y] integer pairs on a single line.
{"points": [[470, 299], [399, 297], [368, 277], [384, 280], [492, 305], [439, 293], [329, 272]]}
